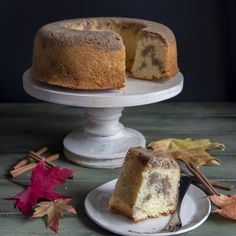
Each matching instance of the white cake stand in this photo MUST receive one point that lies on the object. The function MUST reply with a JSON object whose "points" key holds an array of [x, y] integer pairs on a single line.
{"points": [[104, 141]]}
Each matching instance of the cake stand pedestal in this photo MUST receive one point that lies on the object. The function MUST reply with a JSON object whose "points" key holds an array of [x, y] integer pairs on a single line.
{"points": [[104, 141]]}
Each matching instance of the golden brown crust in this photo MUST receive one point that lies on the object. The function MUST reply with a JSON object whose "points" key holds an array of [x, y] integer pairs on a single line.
{"points": [[102, 32], [74, 67], [149, 157], [124, 204], [89, 53]]}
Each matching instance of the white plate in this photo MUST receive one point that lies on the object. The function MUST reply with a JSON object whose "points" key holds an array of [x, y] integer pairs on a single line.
{"points": [[195, 209]]}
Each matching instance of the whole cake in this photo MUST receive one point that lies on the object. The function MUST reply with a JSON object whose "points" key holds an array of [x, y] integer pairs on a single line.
{"points": [[147, 186], [95, 53]]}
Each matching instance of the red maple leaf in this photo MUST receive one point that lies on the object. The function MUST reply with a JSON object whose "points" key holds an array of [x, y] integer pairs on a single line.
{"points": [[43, 182]]}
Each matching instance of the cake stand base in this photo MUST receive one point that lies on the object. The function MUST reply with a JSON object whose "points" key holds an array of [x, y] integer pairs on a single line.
{"points": [[104, 141]]}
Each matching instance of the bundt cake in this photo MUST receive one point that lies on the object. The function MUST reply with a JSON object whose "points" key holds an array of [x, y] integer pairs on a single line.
{"points": [[95, 53], [147, 186]]}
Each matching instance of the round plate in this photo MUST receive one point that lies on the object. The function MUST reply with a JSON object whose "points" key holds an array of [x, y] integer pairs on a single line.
{"points": [[194, 211], [136, 92]]}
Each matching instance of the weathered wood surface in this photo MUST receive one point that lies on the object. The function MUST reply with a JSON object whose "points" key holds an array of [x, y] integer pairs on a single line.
{"points": [[26, 127]]}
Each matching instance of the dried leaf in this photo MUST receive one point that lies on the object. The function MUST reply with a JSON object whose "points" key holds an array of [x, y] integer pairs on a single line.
{"points": [[54, 211], [43, 182], [223, 200], [227, 211], [227, 205], [188, 150]]}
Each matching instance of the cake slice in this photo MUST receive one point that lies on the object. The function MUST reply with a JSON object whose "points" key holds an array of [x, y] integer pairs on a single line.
{"points": [[147, 186]]}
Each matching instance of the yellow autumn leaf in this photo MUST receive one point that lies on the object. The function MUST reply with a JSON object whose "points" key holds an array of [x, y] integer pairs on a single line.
{"points": [[54, 211], [188, 150]]}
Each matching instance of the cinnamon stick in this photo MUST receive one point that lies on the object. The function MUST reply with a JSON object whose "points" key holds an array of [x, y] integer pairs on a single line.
{"points": [[36, 157], [202, 179], [26, 160], [216, 184], [23, 169], [52, 158], [28, 167]]}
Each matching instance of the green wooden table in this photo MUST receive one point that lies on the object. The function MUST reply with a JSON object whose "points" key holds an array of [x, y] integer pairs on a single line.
{"points": [[26, 127]]}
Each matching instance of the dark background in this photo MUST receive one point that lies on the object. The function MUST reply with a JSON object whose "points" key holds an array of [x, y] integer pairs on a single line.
{"points": [[205, 33]]}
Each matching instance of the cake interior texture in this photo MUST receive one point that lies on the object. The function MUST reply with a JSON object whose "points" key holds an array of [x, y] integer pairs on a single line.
{"points": [[95, 53], [147, 186]]}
